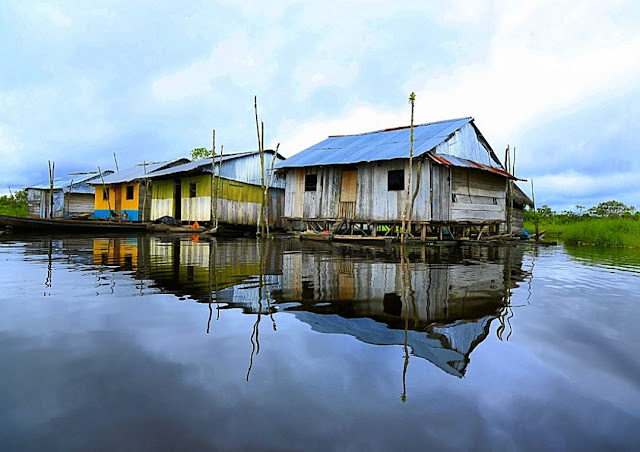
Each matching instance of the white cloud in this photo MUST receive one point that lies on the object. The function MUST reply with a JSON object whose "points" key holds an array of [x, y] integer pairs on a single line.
{"points": [[538, 63], [240, 58], [50, 14], [313, 74]]}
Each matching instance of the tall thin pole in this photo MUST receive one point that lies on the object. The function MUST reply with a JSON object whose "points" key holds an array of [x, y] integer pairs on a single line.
{"points": [[115, 160], [214, 192], [146, 189], [68, 199], [104, 191], [535, 215], [52, 166], [218, 188], [264, 193], [412, 100]]}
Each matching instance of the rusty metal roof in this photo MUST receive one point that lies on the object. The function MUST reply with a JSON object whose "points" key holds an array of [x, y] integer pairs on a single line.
{"points": [[450, 160], [387, 144]]}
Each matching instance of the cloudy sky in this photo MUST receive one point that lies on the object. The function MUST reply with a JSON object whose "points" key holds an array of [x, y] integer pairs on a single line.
{"points": [[149, 80]]}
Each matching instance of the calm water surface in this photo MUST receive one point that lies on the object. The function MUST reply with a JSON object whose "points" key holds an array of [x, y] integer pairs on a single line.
{"points": [[134, 343]]}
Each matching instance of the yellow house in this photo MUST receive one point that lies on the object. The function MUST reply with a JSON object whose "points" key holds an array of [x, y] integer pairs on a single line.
{"points": [[124, 195], [184, 191]]}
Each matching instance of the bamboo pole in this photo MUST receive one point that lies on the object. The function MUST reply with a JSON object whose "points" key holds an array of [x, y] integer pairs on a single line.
{"points": [[219, 181], [52, 167], [415, 193], [262, 228], [412, 100], [535, 215], [68, 199], [104, 190], [214, 192], [146, 190], [266, 189], [115, 161]]}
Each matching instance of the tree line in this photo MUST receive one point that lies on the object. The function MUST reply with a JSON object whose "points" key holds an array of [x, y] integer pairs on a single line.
{"points": [[608, 209]]}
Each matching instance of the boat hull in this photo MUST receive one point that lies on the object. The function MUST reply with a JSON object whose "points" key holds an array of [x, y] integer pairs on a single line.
{"points": [[65, 224]]}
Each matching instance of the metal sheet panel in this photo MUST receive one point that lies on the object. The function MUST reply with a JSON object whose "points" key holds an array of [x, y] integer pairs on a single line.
{"points": [[385, 144], [135, 172], [242, 167], [450, 160]]}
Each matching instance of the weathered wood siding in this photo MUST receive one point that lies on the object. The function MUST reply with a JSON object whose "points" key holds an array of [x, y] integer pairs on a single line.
{"points": [[373, 200], [440, 193], [79, 203], [238, 202], [517, 221], [477, 195]]}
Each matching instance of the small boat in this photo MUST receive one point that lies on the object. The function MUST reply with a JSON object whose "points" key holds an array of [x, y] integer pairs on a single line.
{"points": [[317, 236], [33, 224]]}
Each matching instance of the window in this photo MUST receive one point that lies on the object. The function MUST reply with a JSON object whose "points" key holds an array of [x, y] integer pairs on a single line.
{"points": [[395, 180], [129, 191], [310, 182], [192, 189], [105, 193]]}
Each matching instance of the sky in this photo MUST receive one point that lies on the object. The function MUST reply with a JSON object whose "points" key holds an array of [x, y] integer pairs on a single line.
{"points": [[150, 80]]}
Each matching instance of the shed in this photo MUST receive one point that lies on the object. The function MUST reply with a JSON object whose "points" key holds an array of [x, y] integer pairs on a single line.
{"points": [[457, 180], [72, 195], [125, 194], [520, 201], [184, 192]]}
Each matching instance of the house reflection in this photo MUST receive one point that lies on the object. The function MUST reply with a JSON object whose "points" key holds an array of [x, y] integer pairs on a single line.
{"points": [[440, 305]]}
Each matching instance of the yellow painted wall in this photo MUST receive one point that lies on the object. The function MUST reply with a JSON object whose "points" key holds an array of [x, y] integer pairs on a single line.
{"points": [[162, 189], [129, 204], [103, 204]]}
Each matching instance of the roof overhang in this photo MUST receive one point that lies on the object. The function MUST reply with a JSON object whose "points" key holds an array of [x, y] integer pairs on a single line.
{"points": [[450, 160]]}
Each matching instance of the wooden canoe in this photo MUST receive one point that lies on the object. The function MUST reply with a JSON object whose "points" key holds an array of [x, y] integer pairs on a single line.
{"points": [[33, 224]]}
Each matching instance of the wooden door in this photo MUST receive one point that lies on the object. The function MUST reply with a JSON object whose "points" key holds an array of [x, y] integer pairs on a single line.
{"points": [[348, 192], [298, 206]]}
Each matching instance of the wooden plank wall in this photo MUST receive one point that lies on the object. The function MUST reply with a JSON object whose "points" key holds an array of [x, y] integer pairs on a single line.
{"points": [[477, 195], [470, 195], [79, 203], [441, 194]]}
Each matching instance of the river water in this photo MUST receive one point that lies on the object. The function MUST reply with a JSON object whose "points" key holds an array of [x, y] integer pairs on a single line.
{"points": [[181, 343]]}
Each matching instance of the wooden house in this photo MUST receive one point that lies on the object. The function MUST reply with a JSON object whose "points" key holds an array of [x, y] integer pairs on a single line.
{"points": [[458, 185], [72, 195], [520, 201], [124, 194], [184, 192]]}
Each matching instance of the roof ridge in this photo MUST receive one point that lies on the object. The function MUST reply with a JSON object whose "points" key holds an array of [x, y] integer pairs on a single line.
{"points": [[470, 118]]}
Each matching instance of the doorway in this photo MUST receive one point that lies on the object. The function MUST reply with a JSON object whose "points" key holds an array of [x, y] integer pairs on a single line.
{"points": [[348, 192], [177, 199]]}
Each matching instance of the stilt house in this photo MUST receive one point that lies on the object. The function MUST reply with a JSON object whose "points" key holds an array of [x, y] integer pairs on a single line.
{"points": [[458, 185], [126, 194], [72, 195], [185, 192]]}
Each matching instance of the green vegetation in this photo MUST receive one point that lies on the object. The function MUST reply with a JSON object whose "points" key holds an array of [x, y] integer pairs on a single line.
{"points": [[16, 205], [610, 223], [200, 153]]}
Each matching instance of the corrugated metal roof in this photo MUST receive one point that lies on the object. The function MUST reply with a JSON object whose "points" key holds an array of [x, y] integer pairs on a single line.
{"points": [[450, 160], [241, 166], [64, 182], [135, 172], [203, 164], [385, 144]]}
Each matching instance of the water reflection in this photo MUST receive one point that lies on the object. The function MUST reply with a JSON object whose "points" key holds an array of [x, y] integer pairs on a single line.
{"points": [[437, 302], [129, 371]]}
